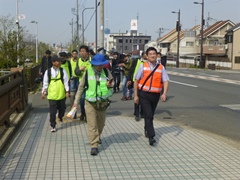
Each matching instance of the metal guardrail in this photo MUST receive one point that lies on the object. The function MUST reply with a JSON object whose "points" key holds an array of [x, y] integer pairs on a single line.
{"points": [[13, 95]]}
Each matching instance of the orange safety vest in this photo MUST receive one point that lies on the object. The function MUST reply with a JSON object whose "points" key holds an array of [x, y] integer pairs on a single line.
{"points": [[153, 84]]}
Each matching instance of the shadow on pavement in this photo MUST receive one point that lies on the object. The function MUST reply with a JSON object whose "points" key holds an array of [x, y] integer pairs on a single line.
{"points": [[167, 130], [118, 138]]}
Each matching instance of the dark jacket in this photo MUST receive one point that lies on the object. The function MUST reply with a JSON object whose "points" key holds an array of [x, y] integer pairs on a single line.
{"points": [[115, 68], [45, 64], [132, 69]]}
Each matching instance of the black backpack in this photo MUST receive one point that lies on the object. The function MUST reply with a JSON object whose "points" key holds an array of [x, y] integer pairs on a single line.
{"points": [[86, 77], [61, 75]]}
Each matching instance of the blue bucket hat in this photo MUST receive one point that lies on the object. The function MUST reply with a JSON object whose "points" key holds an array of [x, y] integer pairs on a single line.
{"points": [[98, 60]]}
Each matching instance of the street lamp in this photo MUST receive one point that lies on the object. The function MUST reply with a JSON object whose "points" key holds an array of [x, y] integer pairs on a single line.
{"points": [[36, 39], [202, 24], [83, 22], [178, 28]]}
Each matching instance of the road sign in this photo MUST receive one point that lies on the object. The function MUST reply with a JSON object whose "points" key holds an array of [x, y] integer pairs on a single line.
{"points": [[107, 31]]}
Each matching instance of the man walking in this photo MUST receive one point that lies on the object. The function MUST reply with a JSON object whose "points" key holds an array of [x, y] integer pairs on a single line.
{"points": [[46, 63], [96, 82], [81, 67], [149, 81], [74, 82], [55, 85]]}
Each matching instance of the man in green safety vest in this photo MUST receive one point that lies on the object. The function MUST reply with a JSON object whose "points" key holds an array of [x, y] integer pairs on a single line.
{"points": [[97, 87], [65, 64], [82, 65], [74, 82], [56, 87]]}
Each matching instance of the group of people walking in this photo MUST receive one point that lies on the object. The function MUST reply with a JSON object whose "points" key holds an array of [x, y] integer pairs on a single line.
{"points": [[90, 80]]}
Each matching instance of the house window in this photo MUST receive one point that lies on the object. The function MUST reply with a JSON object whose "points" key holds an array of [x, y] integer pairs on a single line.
{"points": [[120, 40], [120, 48], [135, 41], [237, 59], [145, 41], [126, 47], [190, 44], [140, 41], [126, 40], [213, 43], [130, 41]]}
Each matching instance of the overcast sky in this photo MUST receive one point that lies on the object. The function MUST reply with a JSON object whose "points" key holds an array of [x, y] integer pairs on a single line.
{"points": [[54, 16]]}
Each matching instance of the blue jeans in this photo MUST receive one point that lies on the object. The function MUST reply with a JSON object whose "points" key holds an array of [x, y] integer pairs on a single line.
{"points": [[125, 88], [74, 84]]}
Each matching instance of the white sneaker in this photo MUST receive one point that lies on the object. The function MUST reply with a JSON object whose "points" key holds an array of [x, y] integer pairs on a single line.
{"points": [[53, 130]]}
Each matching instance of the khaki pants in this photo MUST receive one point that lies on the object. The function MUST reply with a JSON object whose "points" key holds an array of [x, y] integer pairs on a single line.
{"points": [[96, 122]]}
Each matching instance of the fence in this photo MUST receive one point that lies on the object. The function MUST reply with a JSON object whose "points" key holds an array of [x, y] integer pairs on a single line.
{"points": [[32, 73], [13, 95]]}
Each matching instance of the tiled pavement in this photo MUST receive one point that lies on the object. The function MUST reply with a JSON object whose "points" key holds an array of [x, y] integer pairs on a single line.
{"points": [[124, 154]]}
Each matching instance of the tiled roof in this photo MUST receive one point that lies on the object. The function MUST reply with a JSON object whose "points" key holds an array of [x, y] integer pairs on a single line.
{"points": [[167, 35], [213, 28], [172, 35], [194, 28]]}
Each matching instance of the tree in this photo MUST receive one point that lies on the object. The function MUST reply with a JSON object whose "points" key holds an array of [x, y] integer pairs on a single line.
{"points": [[8, 43]]}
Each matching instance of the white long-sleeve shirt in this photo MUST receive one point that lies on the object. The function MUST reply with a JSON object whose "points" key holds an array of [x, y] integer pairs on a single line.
{"points": [[54, 73]]}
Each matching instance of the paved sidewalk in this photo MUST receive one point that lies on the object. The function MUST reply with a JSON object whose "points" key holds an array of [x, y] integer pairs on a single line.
{"points": [[36, 153]]}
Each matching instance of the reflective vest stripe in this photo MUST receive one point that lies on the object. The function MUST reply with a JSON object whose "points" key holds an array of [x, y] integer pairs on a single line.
{"points": [[154, 83], [97, 91]]}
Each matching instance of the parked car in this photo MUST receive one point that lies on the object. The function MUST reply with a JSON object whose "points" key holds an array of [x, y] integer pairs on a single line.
{"points": [[27, 60]]}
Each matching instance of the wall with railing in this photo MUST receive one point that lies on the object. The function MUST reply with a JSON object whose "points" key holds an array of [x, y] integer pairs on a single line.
{"points": [[13, 95]]}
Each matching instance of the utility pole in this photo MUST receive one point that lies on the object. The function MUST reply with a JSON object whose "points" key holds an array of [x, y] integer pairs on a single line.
{"points": [[71, 24], [178, 29], [96, 25], [101, 25], [77, 23], [17, 23], [178, 37], [201, 62]]}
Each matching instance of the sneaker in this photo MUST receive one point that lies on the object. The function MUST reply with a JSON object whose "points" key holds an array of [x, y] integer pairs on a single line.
{"points": [[124, 98], [129, 98], [94, 151], [152, 141], [137, 118], [53, 130], [82, 117]]}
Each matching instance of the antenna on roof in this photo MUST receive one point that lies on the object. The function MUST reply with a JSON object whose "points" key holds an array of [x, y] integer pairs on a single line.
{"points": [[160, 31], [210, 19]]}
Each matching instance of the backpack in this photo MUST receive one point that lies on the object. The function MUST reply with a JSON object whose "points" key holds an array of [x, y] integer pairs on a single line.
{"points": [[86, 77], [49, 75]]}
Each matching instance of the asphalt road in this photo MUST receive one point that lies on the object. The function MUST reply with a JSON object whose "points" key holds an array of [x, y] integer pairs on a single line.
{"points": [[201, 99]]}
